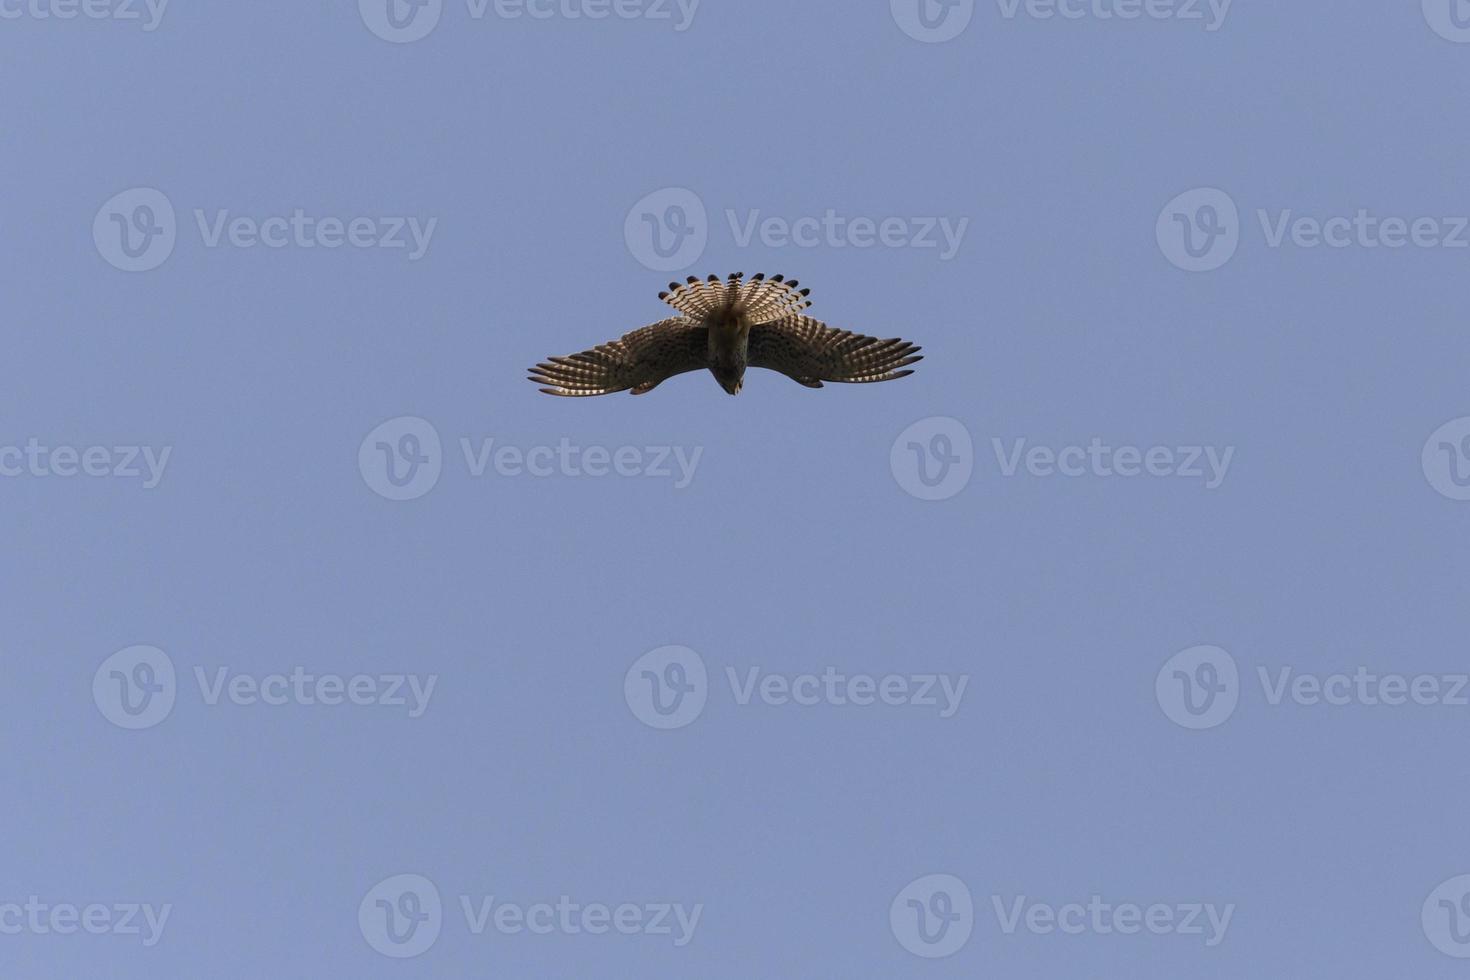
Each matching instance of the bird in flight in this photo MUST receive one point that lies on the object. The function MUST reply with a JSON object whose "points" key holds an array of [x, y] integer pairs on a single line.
{"points": [[727, 326]]}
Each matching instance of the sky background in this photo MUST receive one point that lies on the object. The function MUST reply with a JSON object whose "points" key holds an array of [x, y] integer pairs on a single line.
{"points": [[801, 541]]}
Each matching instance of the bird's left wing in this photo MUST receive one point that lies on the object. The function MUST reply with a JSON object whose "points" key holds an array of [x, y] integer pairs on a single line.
{"points": [[639, 362], [810, 352]]}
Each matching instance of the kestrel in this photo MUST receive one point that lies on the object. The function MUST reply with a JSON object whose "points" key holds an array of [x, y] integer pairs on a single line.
{"points": [[727, 326]]}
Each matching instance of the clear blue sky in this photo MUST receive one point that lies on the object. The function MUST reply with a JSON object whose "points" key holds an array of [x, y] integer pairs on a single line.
{"points": [[1066, 343]]}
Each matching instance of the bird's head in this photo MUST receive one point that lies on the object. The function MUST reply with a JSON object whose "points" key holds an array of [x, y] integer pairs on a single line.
{"points": [[732, 379]]}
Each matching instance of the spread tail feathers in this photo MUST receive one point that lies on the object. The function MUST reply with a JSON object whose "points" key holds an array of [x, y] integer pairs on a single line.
{"points": [[758, 300]]}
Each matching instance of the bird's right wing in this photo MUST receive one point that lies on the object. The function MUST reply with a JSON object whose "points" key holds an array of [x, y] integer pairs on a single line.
{"points": [[810, 352], [639, 362]]}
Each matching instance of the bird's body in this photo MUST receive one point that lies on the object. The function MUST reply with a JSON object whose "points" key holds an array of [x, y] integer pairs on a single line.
{"points": [[727, 326], [729, 349]]}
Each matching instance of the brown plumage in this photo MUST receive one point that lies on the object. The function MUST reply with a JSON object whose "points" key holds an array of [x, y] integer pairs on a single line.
{"points": [[726, 326]]}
